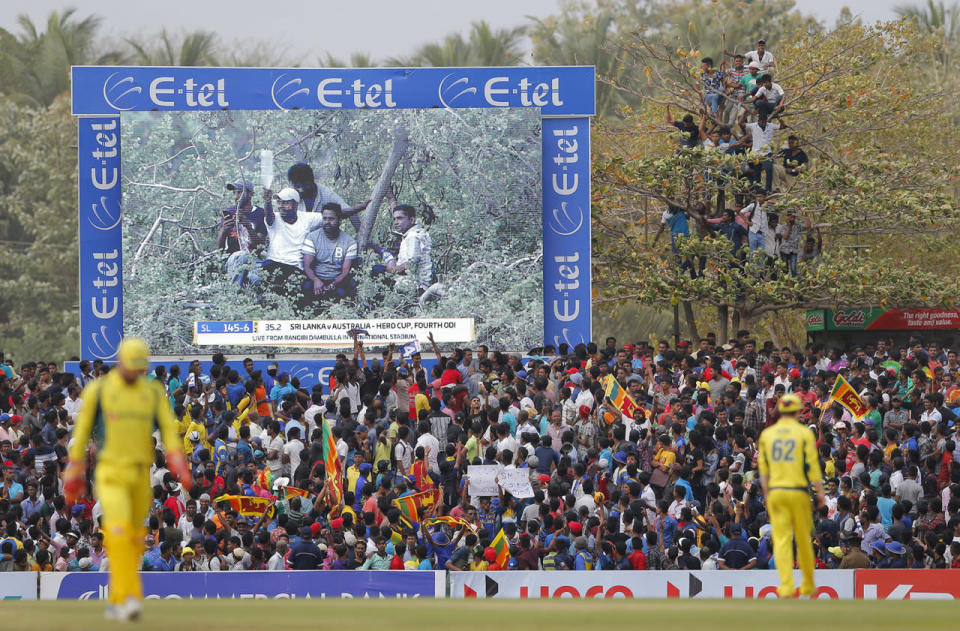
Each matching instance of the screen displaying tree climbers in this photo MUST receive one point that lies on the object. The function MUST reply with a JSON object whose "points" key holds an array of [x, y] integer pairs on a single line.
{"points": [[332, 215]]}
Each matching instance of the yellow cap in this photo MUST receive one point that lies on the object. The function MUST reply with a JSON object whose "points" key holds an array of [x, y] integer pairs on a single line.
{"points": [[790, 404], [187, 550], [134, 354]]}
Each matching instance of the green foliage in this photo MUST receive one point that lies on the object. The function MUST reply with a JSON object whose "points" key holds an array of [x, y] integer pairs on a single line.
{"points": [[35, 66], [596, 33], [482, 47], [473, 175], [193, 49], [853, 100], [884, 170], [38, 247], [581, 35]]}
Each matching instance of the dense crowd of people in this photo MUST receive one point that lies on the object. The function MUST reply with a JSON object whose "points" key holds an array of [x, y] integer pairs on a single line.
{"points": [[672, 485]]}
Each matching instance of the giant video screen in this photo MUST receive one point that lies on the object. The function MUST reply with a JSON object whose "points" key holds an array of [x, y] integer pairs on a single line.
{"points": [[332, 215]]}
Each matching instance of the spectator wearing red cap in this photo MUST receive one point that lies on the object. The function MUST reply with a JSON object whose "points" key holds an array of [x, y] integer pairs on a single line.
{"points": [[490, 556]]}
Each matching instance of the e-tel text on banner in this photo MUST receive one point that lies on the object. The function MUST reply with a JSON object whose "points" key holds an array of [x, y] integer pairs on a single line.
{"points": [[101, 277], [566, 231]]}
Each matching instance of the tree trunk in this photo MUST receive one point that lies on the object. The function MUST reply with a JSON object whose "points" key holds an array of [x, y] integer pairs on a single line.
{"points": [[676, 324], [774, 336], [723, 317], [736, 320], [786, 333], [691, 321], [400, 143]]}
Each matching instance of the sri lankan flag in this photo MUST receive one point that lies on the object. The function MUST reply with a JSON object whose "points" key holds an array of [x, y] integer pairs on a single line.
{"points": [[332, 467], [245, 505], [410, 505], [844, 394], [500, 544], [396, 532], [618, 396], [293, 491]]}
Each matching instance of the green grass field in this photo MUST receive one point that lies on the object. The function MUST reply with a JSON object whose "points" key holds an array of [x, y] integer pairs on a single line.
{"points": [[463, 615]]}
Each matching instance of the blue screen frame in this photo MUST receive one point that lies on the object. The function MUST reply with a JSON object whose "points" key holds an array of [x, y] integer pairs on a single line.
{"points": [[565, 96]]}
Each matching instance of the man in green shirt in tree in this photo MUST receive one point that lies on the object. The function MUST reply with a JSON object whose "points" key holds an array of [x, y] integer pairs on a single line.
{"points": [[748, 83]]}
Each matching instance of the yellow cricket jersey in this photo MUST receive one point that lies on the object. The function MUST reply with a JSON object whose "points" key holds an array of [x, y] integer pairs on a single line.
{"points": [[788, 454], [420, 402], [183, 424], [665, 456], [194, 426], [353, 474], [121, 417]]}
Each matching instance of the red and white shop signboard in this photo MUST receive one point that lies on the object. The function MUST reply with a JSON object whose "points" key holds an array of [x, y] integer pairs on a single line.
{"points": [[908, 584], [832, 584]]}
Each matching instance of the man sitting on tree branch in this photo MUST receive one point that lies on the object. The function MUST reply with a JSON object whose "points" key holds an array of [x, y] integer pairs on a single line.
{"points": [[413, 263], [328, 255]]}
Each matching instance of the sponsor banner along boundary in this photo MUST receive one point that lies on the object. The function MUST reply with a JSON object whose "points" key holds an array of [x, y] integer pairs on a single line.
{"points": [[255, 585], [679, 584], [18, 586], [831, 584]]}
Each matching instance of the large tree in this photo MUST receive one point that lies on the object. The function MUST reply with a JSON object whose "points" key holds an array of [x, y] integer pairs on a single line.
{"points": [[38, 277], [879, 178]]}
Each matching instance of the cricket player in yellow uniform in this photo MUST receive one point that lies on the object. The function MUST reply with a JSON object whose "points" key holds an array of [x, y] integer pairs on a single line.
{"points": [[120, 412], [789, 465]]}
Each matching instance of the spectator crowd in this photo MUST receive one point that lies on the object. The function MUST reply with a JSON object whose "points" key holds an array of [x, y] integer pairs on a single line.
{"points": [[672, 485]]}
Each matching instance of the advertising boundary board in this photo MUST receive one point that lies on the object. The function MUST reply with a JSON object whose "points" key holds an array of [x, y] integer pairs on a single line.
{"points": [[252, 585], [876, 319], [747, 584], [908, 585], [18, 586], [564, 95], [679, 584]]}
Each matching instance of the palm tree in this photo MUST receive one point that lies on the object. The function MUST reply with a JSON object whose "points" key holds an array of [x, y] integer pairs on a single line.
{"points": [[35, 65], [501, 47], [357, 60], [195, 49], [933, 18], [942, 22], [452, 51], [483, 47], [575, 39]]}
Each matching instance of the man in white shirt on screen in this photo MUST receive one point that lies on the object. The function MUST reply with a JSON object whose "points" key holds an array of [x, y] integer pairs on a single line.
{"points": [[286, 230], [413, 263]]}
